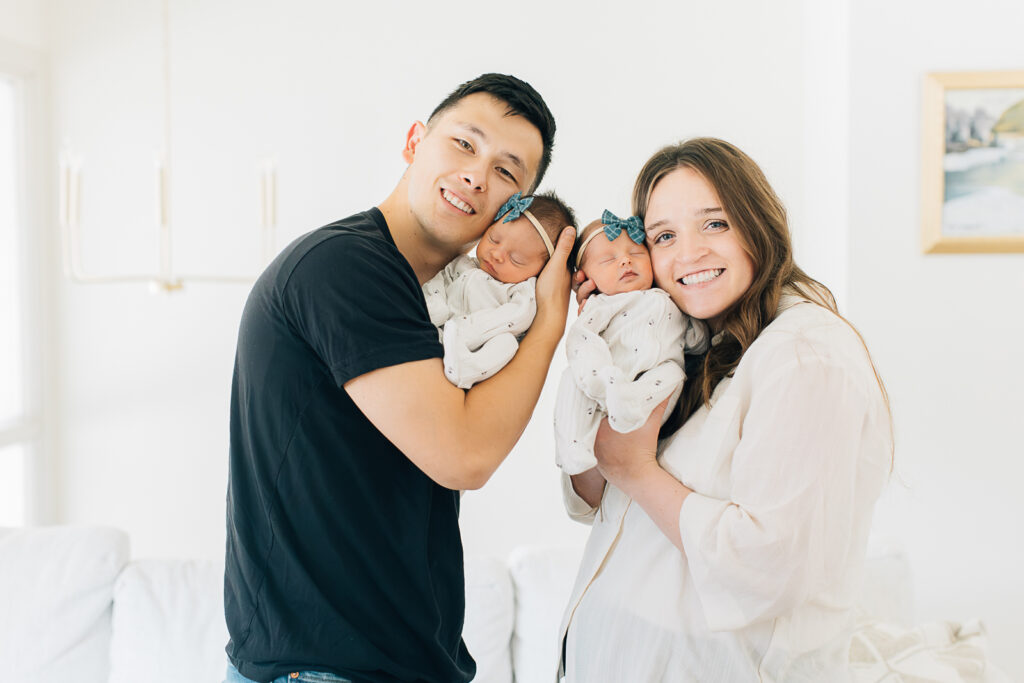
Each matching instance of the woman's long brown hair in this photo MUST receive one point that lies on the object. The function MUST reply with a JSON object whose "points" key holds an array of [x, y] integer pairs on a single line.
{"points": [[759, 218]]}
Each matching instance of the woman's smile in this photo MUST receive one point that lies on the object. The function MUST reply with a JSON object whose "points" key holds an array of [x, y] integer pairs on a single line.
{"points": [[701, 277], [697, 256]]}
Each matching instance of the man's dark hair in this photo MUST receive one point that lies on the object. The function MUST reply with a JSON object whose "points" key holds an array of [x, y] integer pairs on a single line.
{"points": [[522, 100]]}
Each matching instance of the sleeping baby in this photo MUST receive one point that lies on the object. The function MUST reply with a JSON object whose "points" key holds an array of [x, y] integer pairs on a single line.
{"points": [[625, 349], [483, 306]]}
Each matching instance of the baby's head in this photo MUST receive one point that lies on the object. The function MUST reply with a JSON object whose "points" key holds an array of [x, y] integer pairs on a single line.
{"points": [[522, 237], [612, 253]]}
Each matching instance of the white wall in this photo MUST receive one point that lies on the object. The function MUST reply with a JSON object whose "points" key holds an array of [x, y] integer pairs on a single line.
{"points": [[145, 379], [23, 23], [946, 330]]}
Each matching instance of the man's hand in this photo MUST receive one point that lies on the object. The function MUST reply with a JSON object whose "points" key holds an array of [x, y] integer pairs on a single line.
{"points": [[553, 284]]}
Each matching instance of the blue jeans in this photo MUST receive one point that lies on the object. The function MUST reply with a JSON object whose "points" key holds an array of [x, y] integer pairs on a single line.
{"points": [[297, 677]]}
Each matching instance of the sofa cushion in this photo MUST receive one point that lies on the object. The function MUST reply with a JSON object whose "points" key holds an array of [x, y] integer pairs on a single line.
{"points": [[490, 614], [168, 622], [543, 578], [887, 594], [56, 586]]}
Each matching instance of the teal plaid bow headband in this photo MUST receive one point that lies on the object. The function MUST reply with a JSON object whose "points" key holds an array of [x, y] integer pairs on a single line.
{"points": [[613, 226], [514, 207]]}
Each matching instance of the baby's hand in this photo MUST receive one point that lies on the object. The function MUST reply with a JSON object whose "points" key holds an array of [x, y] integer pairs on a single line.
{"points": [[584, 288]]}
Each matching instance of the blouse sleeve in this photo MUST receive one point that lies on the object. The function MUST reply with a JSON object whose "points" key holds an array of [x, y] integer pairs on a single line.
{"points": [[790, 527], [578, 509]]}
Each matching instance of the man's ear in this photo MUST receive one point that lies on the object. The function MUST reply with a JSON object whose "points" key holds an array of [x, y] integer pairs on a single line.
{"points": [[412, 139]]}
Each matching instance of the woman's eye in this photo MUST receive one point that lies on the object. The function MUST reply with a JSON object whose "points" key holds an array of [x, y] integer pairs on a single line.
{"points": [[464, 144], [716, 225], [662, 237]]}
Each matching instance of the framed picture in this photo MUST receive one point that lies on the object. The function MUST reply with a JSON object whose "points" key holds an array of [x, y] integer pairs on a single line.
{"points": [[972, 170]]}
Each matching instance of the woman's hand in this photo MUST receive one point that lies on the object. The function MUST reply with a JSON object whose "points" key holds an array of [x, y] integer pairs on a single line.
{"points": [[584, 287], [626, 460], [630, 463]]}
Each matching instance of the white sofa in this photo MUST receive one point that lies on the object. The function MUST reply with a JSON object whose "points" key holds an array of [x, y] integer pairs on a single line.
{"points": [[75, 607]]}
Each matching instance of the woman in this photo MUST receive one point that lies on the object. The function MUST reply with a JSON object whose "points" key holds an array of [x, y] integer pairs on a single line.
{"points": [[732, 549]]}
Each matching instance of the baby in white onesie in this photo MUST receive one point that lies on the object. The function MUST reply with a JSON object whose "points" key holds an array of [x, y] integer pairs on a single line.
{"points": [[482, 306], [625, 349]]}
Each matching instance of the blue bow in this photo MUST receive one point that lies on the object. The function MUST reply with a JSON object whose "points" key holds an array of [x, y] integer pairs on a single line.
{"points": [[514, 207], [613, 226]]}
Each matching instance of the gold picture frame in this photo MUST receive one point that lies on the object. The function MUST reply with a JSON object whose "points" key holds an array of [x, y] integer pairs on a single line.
{"points": [[972, 162]]}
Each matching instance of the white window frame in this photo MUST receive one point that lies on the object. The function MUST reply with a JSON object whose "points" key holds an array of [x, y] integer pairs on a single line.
{"points": [[37, 245]]}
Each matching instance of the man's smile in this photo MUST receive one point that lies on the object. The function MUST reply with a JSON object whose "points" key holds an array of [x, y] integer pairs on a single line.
{"points": [[457, 202]]}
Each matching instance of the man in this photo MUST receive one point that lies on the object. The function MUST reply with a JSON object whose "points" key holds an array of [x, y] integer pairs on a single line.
{"points": [[348, 445]]}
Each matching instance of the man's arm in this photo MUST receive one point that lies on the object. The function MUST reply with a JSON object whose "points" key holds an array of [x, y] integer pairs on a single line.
{"points": [[458, 438]]}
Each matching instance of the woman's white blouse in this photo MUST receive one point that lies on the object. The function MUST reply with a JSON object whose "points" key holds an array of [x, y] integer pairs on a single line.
{"points": [[785, 466]]}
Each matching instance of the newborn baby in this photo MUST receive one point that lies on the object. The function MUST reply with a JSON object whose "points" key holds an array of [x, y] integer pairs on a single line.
{"points": [[483, 306], [625, 349]]}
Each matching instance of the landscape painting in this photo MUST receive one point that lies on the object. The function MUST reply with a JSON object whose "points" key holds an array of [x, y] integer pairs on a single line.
{"points": [[973, 162]]}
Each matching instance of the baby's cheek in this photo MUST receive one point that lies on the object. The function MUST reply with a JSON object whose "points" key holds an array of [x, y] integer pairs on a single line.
{"points": [[607, 281]]}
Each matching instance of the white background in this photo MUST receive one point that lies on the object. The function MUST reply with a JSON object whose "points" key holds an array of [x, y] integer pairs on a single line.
{"points": [[825, 96]]}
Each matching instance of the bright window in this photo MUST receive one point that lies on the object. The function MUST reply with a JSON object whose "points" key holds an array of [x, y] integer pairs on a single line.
{"points": [[16, 433]]}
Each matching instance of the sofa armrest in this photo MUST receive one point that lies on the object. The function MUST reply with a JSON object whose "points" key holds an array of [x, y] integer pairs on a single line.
{"points": [[168, 622]]}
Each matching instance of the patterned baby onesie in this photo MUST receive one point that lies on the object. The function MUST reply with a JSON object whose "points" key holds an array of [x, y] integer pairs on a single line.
{"points": [[480, 320], [625, 357]]}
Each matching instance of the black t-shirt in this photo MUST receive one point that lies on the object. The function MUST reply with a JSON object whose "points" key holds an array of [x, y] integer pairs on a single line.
{"points": [[342, 556]]}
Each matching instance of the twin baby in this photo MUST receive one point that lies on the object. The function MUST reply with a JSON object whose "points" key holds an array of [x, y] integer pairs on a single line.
{"points": [[625, 349]]}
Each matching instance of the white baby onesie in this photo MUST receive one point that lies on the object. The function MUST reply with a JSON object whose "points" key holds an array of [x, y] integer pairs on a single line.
{"points": [[625, 357], [480, 319]]}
